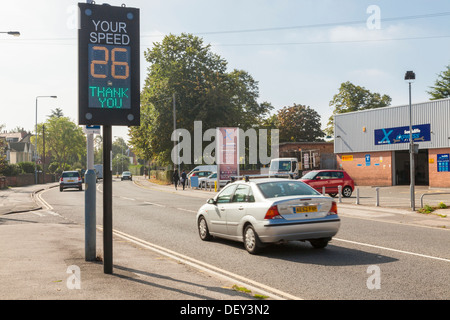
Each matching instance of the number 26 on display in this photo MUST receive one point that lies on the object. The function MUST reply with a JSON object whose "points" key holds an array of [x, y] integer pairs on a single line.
{"points": [[113, 65]]}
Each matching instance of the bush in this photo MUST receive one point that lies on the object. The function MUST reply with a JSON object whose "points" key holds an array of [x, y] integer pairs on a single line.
{"points": [[28, 167], [11, 170]]}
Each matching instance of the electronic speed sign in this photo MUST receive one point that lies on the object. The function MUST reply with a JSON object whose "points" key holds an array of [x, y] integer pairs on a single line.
{"points": [[108, 53]]}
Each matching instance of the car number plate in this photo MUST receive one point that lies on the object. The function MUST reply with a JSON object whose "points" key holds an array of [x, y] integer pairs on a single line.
{"points": [[304, 209], [70, 180]]}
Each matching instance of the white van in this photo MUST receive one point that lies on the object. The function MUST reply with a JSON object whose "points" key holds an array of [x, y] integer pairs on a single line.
{"points": [[212, 168], [283, 166]]}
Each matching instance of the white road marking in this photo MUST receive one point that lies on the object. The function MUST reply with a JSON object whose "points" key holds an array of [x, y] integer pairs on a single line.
{"points": [[182, 209], [128, 198], [229, 276], [155, 204], [394, 250]]}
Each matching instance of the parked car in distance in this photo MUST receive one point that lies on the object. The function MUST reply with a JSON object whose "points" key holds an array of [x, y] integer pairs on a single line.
{"points": [[126, 175], [70, 179], [199, 175], [330, 179], [206, 182], [212, 168], [264, 211]]}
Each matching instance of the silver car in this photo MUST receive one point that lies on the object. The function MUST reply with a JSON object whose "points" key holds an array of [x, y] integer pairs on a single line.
{"points": [[264, 211]]}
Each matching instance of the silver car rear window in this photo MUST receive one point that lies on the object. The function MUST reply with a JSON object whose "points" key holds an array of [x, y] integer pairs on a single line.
{"points": [[70, 174], [285, 188]]}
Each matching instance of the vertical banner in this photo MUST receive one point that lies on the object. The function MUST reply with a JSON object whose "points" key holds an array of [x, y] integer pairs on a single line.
{"points": [[227, 153]]}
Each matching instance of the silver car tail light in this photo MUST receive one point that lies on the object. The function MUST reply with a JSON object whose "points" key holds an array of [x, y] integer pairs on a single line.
{"points": [[273, 213], [333, 209]]}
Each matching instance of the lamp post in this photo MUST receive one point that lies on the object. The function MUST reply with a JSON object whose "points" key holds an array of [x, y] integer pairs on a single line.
{"points": [[35, 140], [410, 76], [12, 33]]}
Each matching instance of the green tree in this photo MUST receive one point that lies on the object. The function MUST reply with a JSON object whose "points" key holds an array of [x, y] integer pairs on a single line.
{"points": [[354, 98], [441, 89], [120, 163], [204, 91], [65, 142], [299, 123], [58, 113]]}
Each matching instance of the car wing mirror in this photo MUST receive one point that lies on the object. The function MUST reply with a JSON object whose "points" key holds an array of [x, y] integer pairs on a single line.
{"points": [[211, 201]]}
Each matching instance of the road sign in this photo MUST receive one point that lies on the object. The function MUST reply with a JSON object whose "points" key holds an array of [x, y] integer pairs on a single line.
{"points": [[92, 129], [109, 77]]}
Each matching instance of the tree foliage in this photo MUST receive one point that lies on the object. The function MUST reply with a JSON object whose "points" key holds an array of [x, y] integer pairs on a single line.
{"points": [[204, 91], [299, 123], [354, 98], [65, 142], [441, 88]]}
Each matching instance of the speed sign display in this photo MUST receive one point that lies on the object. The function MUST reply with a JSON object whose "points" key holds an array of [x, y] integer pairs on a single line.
{"points": [[109, 84]]}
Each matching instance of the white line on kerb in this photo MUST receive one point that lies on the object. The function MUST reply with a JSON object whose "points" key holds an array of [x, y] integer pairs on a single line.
{"points": [[229, 276], [394, 250]]}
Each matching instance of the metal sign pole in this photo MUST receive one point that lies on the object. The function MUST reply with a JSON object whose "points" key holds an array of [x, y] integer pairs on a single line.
{"points": [[107, 201]]}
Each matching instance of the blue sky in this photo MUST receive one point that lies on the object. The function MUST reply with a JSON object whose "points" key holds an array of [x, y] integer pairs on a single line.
{"points": [[299, 51]]}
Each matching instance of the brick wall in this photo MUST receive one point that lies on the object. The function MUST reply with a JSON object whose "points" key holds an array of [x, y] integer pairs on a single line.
{"points": [[378, 173], [27, 179], [323, 147]]}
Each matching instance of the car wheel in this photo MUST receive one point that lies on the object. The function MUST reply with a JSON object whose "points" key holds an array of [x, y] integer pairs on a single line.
{"points": [[347, 192], [319, 243], [203, 230], [251, 240], [60, 189], [80, 188], [332, 195]]}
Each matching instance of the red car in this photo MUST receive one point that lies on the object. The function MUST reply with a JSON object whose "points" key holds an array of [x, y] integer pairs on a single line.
{"points": [[330, 179]]}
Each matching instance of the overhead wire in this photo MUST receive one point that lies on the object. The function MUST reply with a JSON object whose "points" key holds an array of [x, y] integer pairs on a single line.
{"points": [[320, 25]]}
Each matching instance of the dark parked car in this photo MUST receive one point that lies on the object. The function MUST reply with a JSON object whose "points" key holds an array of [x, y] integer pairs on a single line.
{"points": [[330, 179], [70, 179]]}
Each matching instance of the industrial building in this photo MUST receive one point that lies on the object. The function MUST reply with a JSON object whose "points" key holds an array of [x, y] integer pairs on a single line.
{"points": [[372, 146]]}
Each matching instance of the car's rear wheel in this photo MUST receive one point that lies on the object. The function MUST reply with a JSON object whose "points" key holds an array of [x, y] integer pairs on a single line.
{"points": [[347, 192], [319, 243], [251, 240], [203, 230]]}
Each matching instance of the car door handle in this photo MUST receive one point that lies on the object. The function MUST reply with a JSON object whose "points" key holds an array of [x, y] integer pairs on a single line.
{"points": [[222, 209], [241, 208]]}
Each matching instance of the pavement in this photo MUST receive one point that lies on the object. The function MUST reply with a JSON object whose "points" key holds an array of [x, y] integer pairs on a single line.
{"points": [[44, 259]]}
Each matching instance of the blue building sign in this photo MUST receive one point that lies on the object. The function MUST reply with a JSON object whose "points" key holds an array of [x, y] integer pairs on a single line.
{"points": [[443, 162], [367, 156], [421, 132]]}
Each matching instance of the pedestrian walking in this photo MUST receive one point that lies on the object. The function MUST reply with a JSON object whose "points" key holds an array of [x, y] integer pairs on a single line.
{"points": [[176, 178], [183, 178]]}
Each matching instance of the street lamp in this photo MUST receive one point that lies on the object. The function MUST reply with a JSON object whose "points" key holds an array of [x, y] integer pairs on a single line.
{"points": [[35, 140], [12, 33], [410, 76]]}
